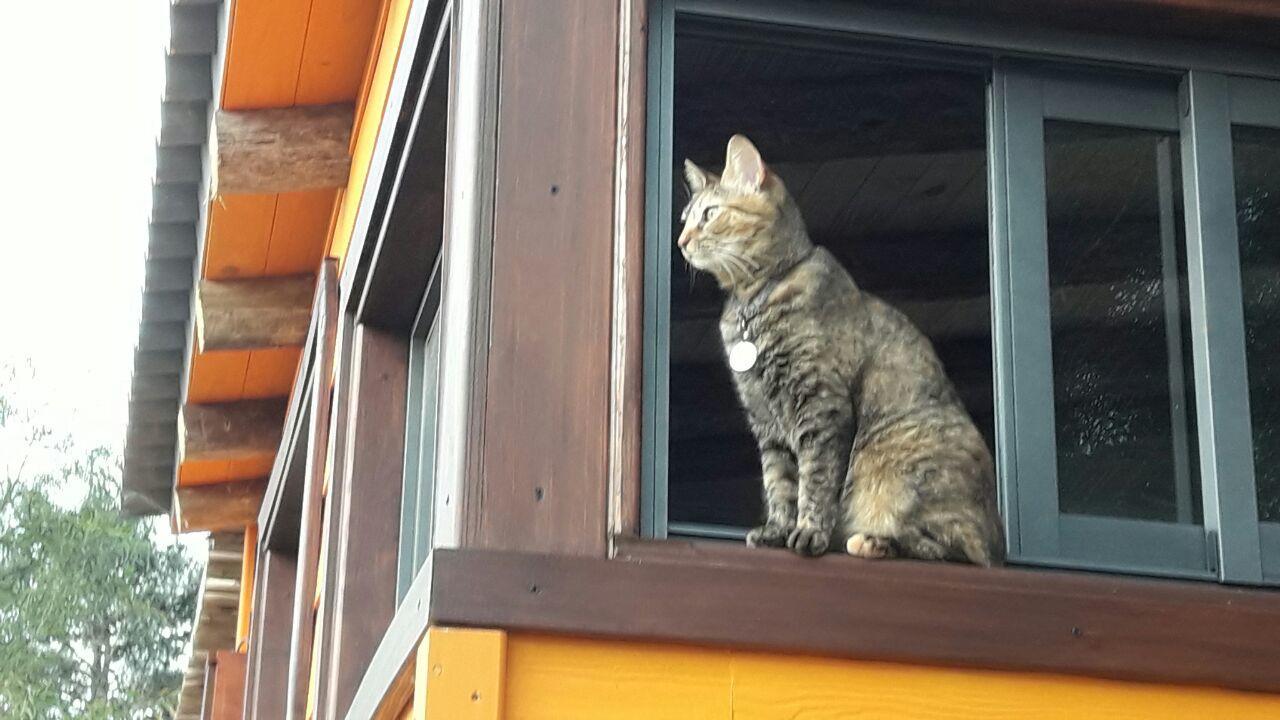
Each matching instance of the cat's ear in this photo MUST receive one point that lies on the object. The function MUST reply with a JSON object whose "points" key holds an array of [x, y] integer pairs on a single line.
{"points": [[696, 177], [743, 167]]}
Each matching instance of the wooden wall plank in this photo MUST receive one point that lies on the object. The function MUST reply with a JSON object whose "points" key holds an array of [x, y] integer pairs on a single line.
{"points": [[577, 679], [718, 594], [326, 323], [268, 673], [375, 95], [545, 464], [338, 41], [224, 686], [265, 40], [248, 573], [367, 539], [626, 399], [334, 494], [299, 231]]}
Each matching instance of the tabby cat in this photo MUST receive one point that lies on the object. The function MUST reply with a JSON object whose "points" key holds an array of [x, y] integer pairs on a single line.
{"points": [[863, 439]]}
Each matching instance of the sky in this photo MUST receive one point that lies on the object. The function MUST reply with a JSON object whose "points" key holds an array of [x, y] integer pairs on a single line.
{"points": [[81, 82]]}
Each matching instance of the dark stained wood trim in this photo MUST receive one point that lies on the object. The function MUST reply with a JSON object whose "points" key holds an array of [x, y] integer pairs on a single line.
{"points": [[268, 663], [368, 527], [545, 456], [333, 502], [901, 611], [278, 519], [409, 73], [628, 267], [410, 236], [325, 314], [1254, 22], [224, 686]]}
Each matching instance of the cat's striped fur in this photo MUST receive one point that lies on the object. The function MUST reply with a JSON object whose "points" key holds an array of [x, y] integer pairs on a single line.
{"points": [[863, 440]]}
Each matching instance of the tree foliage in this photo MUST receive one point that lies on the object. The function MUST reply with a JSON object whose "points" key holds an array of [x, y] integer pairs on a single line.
{"points": [[94, 615]]}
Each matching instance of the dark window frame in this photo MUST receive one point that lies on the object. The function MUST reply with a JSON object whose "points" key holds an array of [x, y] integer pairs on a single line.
{"points": [[1231, 549]]}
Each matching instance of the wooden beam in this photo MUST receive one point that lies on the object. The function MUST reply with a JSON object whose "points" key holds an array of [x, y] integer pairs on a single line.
{"points": [[281, 149], [250, 314], [217, 506], [230, 431]]}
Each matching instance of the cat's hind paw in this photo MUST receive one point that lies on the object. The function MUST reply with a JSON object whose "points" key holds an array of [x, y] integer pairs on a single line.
{"points": [[869, 547], [809, 540]]}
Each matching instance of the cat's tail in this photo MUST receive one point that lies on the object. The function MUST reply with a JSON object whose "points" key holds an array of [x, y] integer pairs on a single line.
{"points": [[981, 546]]}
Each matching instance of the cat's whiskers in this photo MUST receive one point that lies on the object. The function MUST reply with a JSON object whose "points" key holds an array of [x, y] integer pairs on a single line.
{"points": [[733, 263]]}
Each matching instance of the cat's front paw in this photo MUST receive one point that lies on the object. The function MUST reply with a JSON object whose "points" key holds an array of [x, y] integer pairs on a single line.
{"points": [[809, 540], [768, 536]]}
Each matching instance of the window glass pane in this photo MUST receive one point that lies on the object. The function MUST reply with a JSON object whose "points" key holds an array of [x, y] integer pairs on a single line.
{"points": [[1123, 386], [887, 161], [1257, 179]]}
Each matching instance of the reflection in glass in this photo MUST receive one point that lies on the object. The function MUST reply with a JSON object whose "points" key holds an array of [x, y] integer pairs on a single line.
{"points": [[1125, 422], [1257, 180]]}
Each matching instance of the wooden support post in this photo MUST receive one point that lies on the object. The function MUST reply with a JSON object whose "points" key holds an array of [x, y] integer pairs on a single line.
{"points": [[217, 506], [224, 686], [247, 567], [304, 616], [366, 543], [281, 150], [257, 313], [268, 674], [460, 674], [243, 430]]}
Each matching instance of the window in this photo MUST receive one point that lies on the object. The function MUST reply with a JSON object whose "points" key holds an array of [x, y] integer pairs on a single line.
{"points": [[1255, 157], [418, 500], [1051, 227]]}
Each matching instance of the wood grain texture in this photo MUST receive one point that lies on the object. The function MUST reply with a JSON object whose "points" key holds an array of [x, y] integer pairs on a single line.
{"points": [[461, 675], [217, 506], [257, 313], [224, 686], [626, 399], [545, 460], [326, 319], [230, 431], [248, 572], [281, 149], [368, 529], [1254, 22], [268, 672], [577, 679], [912, 612], [334, 494]]}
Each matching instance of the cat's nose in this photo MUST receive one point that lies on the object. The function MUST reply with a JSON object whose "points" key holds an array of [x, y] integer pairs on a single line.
{"points": [[685, 236]]}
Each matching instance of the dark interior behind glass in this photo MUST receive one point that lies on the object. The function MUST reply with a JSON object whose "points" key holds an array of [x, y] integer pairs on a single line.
{"points": [[1122, 372], [887, 161], [1257, 171]]}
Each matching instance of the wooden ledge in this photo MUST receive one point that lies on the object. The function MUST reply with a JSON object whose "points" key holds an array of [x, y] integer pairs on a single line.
{"points": [[901, 611]]}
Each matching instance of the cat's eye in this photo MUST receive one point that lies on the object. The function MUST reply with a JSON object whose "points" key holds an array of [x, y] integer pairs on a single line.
{"points": [[709, 213]]}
